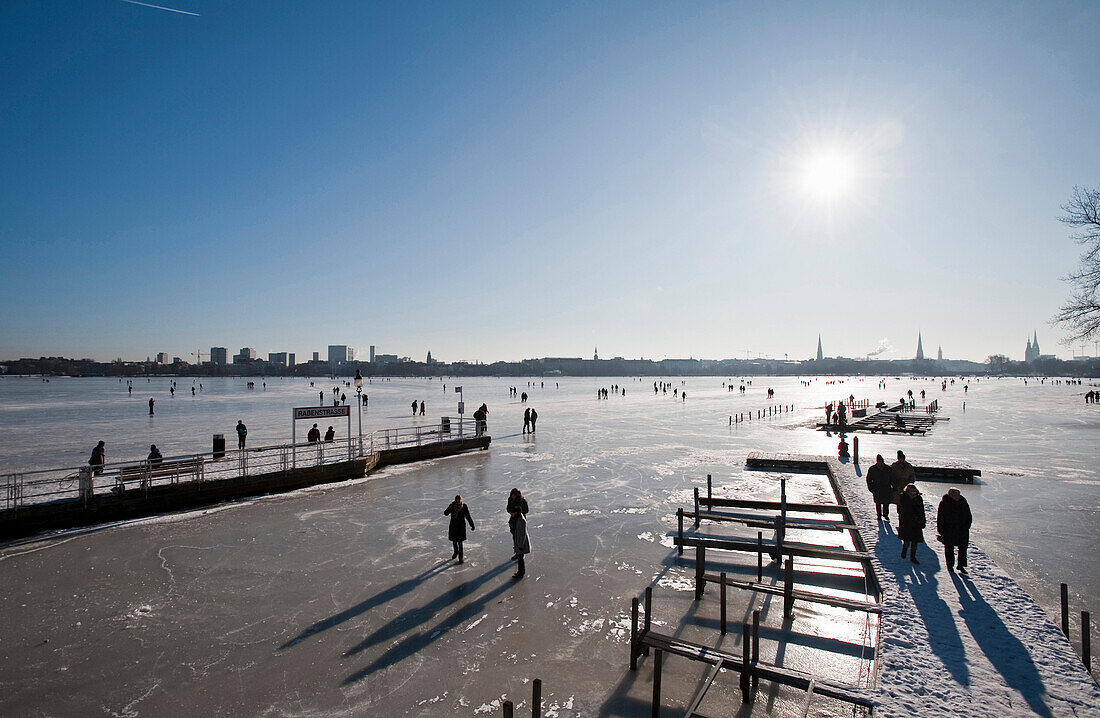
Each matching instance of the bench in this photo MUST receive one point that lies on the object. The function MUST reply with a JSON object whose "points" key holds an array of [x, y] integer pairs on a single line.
{"points": [[147, 472]]}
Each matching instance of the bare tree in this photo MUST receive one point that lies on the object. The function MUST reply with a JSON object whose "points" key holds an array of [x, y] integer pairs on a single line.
{"points": [[1080, 315]]}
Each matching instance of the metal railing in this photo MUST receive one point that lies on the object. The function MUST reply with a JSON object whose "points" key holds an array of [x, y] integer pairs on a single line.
{"points": [[72, 483]]}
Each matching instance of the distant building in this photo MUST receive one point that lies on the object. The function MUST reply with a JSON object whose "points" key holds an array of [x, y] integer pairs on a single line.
{"points": [[1031, 353], [247, 355], [219, 355], [383, 359], [939, 354], [162, 357], [177, 360], [920, 348], [340, 354], [371, 353], [596, 354], [316, 356], [820, 355], [278, 358], [290, 359], [429, 361]]}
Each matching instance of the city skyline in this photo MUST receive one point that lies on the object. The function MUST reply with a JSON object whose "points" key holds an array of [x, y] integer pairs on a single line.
{"points": [[504, 182]]}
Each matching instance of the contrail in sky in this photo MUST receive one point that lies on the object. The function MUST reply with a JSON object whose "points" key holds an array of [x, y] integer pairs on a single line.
{"points": [[161, 7]]}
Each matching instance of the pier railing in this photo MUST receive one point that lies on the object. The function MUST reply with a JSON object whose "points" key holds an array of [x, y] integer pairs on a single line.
{"points": [[73, 483]]}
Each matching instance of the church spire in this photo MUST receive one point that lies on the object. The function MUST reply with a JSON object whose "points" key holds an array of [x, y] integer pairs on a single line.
{"points": [[820, 356], [920, 347]]}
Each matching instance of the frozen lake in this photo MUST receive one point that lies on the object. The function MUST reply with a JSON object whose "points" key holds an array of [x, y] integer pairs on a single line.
{"points": [[603, 476]]}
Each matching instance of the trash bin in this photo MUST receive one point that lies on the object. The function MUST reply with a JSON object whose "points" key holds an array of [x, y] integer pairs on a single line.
{"points": [[445, 425], [219, 446]]}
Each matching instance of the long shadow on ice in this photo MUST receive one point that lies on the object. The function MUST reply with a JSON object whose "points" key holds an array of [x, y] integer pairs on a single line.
{"points": [[398, 589], [919, 581], [423, 614], [416, 642], [1005, 652]]}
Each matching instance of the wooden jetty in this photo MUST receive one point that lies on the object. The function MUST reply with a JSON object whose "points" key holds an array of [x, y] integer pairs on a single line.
{"points": [[751, 669], [891, 420]]}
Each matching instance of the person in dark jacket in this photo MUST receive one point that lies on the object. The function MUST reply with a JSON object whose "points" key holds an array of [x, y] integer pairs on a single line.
{"points": [[155, 457], [242, 432], [99, 458], [456, 531], [534, 420], [953, 522], [880, 482], [526, 420], [516, 503], [521, 543], [911, 521], [903, 475]]}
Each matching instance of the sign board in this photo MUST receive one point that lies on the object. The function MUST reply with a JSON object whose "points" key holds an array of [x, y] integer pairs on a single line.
{"points": [[321, 412]]}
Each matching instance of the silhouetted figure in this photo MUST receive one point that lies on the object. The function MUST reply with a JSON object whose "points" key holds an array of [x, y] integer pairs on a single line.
{"points": [[322, 395], [953, 520], [242, 432], [330, 435], [456, 530], [516, 502], [98, 459], [526, 420], [881, 485], [414, 405], [521, 543], [902, 474], [534, 418], [422, 407], [151, 402], [911, 521], [155, 456], [314, 434]]}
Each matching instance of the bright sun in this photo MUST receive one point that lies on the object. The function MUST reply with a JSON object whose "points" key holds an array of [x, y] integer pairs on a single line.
{"points": [[828, 175]]}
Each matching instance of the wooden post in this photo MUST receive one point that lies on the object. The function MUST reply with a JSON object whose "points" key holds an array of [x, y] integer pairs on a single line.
{"points": [[507, 709], [1065, 610], [1086, 641], [648, 614], [536, 698], [855, 449], [759, 556], [657, 683], [755, 644], [710, 497], [696, 490], [700, 568], [722, 593], [746, 648], [788, 587], [781, 528], [634, 633], [680, 528]]}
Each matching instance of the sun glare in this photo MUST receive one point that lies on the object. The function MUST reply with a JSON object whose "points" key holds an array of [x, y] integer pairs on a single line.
{"points": [[828, 175]]}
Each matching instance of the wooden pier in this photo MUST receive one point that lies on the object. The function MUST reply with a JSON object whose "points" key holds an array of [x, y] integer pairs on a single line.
{"points": [[891, 420]]}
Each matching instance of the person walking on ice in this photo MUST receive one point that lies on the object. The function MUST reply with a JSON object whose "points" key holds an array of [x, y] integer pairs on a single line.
{"points": [[911, 521], [456, 530], [953, 520], [521, 543], [242, 432]]}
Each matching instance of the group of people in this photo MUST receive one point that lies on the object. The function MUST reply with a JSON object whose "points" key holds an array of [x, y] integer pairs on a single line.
{"points": [[459, 514], [530, 416], [894, 484], [421, 407], [314, 434], [1092, 397]]}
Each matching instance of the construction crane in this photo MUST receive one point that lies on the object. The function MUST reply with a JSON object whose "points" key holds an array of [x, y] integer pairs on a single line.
{"points": [[199, 355]]}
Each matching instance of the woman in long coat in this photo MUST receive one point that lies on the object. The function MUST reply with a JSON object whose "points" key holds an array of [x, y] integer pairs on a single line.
{"points": [[456, 531], [911, 521], [521, 542]]}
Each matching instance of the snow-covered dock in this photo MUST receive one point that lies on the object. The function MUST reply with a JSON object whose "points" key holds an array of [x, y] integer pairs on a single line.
{"points": [[952, 645]]}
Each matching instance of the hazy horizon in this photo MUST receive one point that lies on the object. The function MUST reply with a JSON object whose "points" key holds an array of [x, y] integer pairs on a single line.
{"points": [[498, 181]]}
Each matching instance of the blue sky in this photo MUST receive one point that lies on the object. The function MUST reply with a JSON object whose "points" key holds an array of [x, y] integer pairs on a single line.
{"points": [[510, 180]]}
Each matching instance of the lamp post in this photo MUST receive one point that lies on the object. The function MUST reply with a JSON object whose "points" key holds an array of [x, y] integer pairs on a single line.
{"points": [[359, 392]]}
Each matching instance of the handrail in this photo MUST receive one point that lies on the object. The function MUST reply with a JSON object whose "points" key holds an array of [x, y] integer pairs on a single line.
{"points": [[38, 486]]}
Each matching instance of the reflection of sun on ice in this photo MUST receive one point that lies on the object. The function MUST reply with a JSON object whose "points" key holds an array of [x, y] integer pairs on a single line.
{"points": [[828, 175]]}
